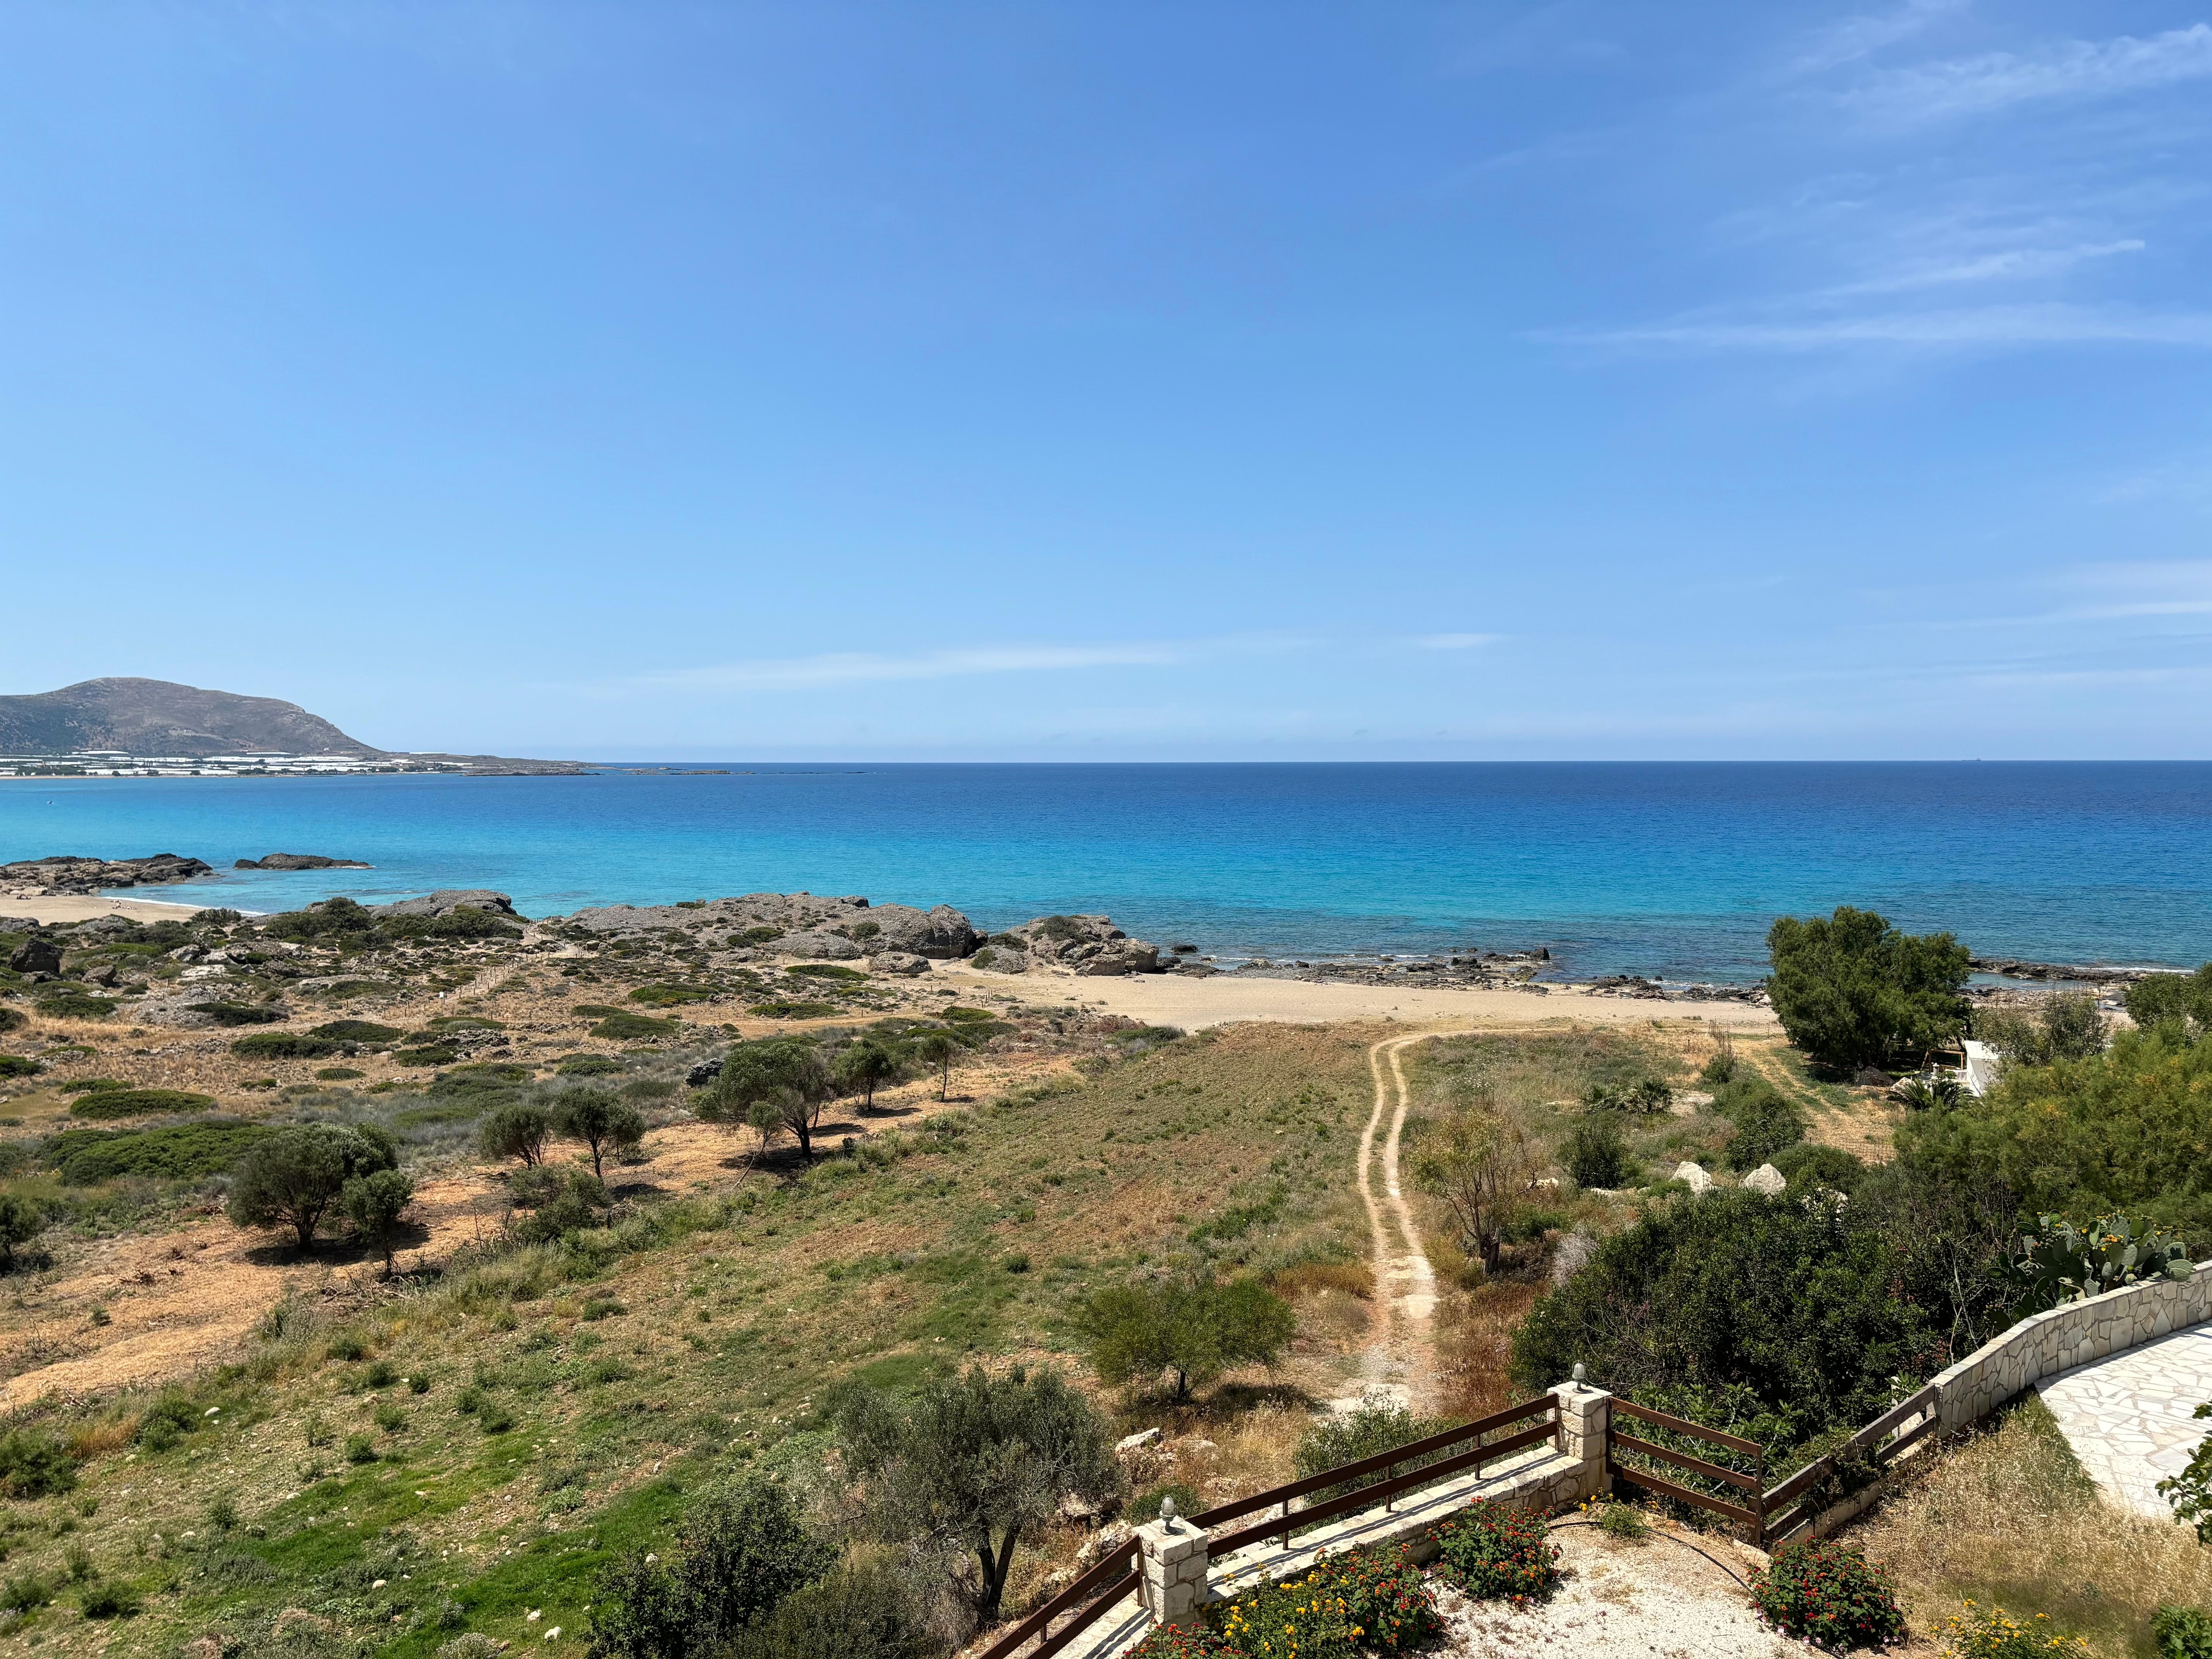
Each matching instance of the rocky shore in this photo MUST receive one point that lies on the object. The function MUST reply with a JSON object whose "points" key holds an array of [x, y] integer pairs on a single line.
{"points": [[300, 861], [68, 873]]}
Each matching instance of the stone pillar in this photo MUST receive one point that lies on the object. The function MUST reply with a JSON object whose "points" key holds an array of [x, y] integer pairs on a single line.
{"points": [[1173, 1565], [1584, 1414]]}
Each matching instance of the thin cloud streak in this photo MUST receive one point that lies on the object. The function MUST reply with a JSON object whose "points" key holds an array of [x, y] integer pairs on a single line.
{"points": [[1858, 37], [1953, 330], [1998, 80], [2013, 265], [866, 667]]}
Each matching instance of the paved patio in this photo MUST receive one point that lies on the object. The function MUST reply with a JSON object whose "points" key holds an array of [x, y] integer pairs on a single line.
{"points": [[2130, 1418]]}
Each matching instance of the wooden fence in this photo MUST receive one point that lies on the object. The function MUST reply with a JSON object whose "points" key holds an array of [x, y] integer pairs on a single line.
{"points": [[1453, 1451]]}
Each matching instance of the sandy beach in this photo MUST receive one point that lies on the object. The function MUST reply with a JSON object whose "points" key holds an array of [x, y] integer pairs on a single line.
{"points": [[83, 906], [1194, 1004]]}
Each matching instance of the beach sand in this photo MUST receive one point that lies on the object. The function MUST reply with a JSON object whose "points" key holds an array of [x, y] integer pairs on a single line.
{"points": [[1194, 1004], [83, 906]]}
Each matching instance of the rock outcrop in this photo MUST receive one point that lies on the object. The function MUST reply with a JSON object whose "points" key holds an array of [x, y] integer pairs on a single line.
{"points": [[447, 900], [300, 861], [36, 955], [1766, 1179], [68, 873], [1089, 945], [1693, 1176], [801, 925]]}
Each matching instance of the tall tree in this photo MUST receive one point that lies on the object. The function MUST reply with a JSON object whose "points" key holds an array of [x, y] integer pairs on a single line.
{"points": [[862, 1067], [601, 1122], [293, 1178], [975, 1461], [935, 1049], [1851, 990], [375, 1204], [775, 1083], [1191, 1329]]}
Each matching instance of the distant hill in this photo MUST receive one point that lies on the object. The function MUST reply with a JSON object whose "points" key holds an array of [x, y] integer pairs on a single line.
{"points": [[156, 717]]}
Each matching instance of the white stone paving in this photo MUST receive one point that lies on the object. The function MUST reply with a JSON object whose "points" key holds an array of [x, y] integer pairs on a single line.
{"points": [[2130, 1419]]}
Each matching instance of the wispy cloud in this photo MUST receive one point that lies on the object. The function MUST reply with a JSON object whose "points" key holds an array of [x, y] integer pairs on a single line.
{"points": [[1858, 37], [2013, 264], [1959, 329], [865, 667], [1455, 642], [2069, 69]]}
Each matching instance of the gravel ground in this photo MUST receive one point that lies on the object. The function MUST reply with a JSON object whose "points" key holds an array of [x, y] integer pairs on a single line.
{"points": [[1624, 1601]]}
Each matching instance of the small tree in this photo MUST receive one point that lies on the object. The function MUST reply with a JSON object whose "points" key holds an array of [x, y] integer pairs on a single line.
{"points": [[2067, 1025], [375, 1204], [2182, 1000], [601, 1122], [1478, 1166], [1194, 1329], [21, 1220], [519, 1129], [1851, 990], [775, 1083], [975, 1461], [293, 1178], [739, 1552], [863, 1067], [1595, 1153], [935, 1049]]}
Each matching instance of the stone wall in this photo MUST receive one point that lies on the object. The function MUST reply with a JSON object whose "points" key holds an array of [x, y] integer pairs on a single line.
{"points": [[2046, 1344]]}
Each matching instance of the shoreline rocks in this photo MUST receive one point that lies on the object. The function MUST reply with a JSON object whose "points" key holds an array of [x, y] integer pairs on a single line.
{"points": [[300, 861], [797, 925], [68, 873]]}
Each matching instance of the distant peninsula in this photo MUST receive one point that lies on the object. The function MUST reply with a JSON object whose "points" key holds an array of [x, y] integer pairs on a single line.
{"points": [[137, 727]]}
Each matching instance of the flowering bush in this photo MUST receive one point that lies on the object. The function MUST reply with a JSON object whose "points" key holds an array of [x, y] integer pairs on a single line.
{"points": [[1977, 1633], [1375, 1600], [1831, 1595], [1497, 1554]]}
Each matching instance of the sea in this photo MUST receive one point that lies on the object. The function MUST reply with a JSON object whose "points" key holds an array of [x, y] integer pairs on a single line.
{"points": [[1673, 870]]}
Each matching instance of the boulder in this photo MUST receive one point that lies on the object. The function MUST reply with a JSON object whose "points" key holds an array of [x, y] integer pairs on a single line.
{"points": [[1090, 946], [36, 955], [1000, 959], [1766, 1179], [902, 963], [817, 947], [942, 933], [447, 900], [1693, 1176], [19, 925], [300, 861], [68, 873], [1872, 1077], [706, 1071]]}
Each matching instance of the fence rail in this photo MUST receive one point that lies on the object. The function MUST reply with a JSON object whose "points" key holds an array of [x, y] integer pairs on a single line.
{"points": [[1086, 1599], [1751, 1512], [1801, 1493]]}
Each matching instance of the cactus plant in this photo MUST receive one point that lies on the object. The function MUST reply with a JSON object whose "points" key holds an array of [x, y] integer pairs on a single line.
{"points": [[2063, 1262]]}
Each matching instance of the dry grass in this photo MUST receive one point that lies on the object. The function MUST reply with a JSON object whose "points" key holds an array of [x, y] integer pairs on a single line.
{"points": [[2010, 1518], [1475, 1340], [1308, 1278]]}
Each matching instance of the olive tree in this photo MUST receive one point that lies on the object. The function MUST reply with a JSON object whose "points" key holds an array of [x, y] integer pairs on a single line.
{"points": [[293, 1178], [775, 1085], [935, 1049], [519, 1129], [974, 1462], [374, 1206], [601, 1122], [1478, 1165], [864, 1066], [1192, 1329]]}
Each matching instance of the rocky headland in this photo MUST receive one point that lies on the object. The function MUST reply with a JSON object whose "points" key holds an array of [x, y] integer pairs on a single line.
{"points": [[70, 873]]}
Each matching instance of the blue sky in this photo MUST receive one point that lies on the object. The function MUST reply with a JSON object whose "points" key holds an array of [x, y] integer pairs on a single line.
{"points": [[1099, 381]]}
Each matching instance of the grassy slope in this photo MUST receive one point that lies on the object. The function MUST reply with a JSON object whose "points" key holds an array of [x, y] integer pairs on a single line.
{"points": [[635, 1363]]}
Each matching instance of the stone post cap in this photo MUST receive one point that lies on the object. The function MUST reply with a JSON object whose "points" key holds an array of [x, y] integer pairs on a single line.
{"points": [[1157, 1543]]}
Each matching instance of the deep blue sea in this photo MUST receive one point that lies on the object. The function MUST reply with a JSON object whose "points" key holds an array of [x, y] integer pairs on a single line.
{"points": [[1672, 869]]}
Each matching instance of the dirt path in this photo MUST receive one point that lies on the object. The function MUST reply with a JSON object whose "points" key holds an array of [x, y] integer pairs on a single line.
{"points": [[1399, 1361]]}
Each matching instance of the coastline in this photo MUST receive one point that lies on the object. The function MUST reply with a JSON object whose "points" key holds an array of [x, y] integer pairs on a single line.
{"points": [[83, 907], [1195, 1004]]}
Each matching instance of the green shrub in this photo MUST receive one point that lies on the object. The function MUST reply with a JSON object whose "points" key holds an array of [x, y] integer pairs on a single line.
{"points": [[435, 1054], [75, 1005], [294, 1177], [669, 996], [826, 971], [783, 1009], [864, 1611], [33, 1463], [1851, 990], [338, 1074], [1808, 1164], [1595, 1153], [1830, 1595], [1192, 1330], [139, 1102], [22, 1218], [1496, 1553], [178, 1151], [26, 1592], [17, 1064], [2063, 1262], [620, 1027], [109, 1601], [87, 1086], [1766, 1123], [739, 1552], [2183, 1001], [361, 1449], [588, 1066], [1377, 1426], [236, 1013], [1146, 1506], [285, 1045], [2182, 1633], [357, 1031], [2066, 1025], [2190, 1493]]}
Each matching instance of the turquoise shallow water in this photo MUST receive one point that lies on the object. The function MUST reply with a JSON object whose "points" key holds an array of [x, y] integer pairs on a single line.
{"points": [[1674, 869]]}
